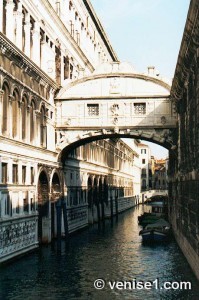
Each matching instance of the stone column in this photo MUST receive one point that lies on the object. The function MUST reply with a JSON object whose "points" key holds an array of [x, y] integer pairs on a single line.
{"points": [[36, 44], [10, 19], [19, 26], [27, 27], [1, 108]]}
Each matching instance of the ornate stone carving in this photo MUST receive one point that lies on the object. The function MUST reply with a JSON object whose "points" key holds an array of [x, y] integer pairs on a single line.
{"points": [[115, 121], [68, 122], [18, 234], [163, 120], [114, 86], [115, 109]]}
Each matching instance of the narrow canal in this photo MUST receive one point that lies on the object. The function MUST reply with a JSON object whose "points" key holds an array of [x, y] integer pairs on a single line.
{"points": [[113, 252]]}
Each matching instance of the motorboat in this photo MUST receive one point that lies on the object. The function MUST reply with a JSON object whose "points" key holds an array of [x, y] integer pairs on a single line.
{"points": [[157, 231]]}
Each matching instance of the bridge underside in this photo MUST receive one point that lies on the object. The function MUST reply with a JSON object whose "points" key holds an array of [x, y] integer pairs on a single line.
{"points": [[67, 140]]}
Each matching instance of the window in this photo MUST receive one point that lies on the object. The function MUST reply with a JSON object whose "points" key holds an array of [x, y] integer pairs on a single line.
{"points": [[4, 172], [32, 175], [32, 204], [15, 174], [43, 129], [58, 65], [25, 205], [8, 206], [17, 207], [139, 108], [144, 171], [32, 121], [66, 67], [4, 16], [70, 5], [15, 114], [71, 71], [143, 151], [143, 161], [23, 174], [93, 109], [24, 117], [5, 108]]}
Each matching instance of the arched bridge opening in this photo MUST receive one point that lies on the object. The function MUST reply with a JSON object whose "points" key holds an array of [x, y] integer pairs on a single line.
{"points": [[162, 137]]}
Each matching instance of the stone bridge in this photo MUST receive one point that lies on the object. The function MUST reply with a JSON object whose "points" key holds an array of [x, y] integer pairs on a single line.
{"points": [[115, 102]]}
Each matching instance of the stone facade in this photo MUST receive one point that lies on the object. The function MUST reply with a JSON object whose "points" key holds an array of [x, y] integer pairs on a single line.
{"points": [[145, 162], [44, 45], [184, 159], [99, 181], [160, 174]]}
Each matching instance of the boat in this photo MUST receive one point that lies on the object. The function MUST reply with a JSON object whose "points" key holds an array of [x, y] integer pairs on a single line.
{"points": [[159, 210], [157, 232], [148, 219], [157, 198]]}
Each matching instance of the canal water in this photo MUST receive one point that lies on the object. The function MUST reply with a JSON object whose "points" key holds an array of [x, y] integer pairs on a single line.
{"points": [[113, 252]]}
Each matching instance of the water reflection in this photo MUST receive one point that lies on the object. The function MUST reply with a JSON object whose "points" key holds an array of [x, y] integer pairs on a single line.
{"points": [[109, 252]]}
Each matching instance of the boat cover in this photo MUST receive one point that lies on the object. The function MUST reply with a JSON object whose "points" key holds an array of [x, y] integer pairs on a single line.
{"points": [[158, 224]]}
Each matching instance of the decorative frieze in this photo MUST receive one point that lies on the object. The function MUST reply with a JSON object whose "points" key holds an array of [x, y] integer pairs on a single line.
{"points": [[17, 234]]}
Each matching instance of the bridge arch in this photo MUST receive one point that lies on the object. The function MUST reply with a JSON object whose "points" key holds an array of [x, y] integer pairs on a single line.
{"points": [[115, 102], [164, 138]]}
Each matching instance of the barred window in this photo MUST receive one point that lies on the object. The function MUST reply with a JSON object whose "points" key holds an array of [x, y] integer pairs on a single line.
{"points": [[93, 109], [140, 108], [4, 172], [15, 174], [23, 174]]}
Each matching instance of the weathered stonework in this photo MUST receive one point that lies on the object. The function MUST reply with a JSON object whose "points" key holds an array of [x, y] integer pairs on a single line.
{"points": [[184, 161]]}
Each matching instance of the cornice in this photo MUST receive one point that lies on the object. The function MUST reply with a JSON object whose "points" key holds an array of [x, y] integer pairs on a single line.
{"points": [[26, 87], [110, 75], [7, 48], [101, 31], [65, 32]]}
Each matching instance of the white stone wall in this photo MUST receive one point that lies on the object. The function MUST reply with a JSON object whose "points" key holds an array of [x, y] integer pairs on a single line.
{"points": [[66, 25]]}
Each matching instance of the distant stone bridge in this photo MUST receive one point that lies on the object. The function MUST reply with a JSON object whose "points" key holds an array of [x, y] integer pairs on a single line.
{"points": [[115, 102]]}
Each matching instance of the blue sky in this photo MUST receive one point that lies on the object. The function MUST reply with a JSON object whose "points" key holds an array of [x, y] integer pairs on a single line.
{"points": [[144, 33]]}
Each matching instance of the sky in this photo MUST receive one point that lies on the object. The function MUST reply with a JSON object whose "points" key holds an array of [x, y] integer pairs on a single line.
{"points": [[145, 33]]}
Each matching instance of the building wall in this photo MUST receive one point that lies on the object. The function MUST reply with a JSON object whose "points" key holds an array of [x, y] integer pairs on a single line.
{"points": [[43, 44], [145, 162], [160, 175], [184, 161], [99, 182]]}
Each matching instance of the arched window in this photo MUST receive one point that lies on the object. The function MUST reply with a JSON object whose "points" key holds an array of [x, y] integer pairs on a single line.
{"points": [[32, 121], [15, 114], [5, 107], [24, 117], [42, 127], [66, 67]]}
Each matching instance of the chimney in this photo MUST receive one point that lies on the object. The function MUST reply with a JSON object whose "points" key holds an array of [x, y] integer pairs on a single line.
{"points": [[151, 70]]}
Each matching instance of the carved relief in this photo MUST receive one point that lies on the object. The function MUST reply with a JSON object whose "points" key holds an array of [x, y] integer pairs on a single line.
{"points": [[114, 86], [163, 120], [115, 109], [17, 235]]}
